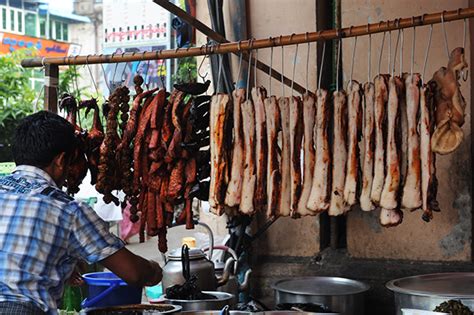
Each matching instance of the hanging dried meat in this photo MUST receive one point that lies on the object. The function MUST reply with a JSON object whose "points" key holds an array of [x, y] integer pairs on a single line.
{"points": [[273, 120], [285, 199], [309, 115], [429, 183], [320, 189], [369, 133], [261, 150], [354, 125], [234, 189], [449, 103], [411, 195], [337, 204]]}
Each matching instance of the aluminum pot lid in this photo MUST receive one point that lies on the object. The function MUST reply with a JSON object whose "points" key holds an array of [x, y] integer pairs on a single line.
{"points": [[320, 286], [449, 285], [194, 253]]}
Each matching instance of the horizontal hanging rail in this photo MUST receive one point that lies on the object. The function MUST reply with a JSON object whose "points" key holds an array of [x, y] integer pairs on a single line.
{"points": [[236, 47]]}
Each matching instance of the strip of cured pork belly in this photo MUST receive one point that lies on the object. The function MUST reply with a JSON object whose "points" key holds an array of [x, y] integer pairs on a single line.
{"points": [[320, 187], [214, 115], [429, 183], [355, 119], [309, 111], [411, 196], [261, 148], [389, 197], [296, 137], [285, 199], [338, 205], [250, 177], [381, 98], [369, 133], [272, 117], [234, 189], [220, 105], [390, 218]]}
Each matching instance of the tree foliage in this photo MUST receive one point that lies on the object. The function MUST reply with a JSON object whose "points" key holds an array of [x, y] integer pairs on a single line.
{"points": [[17, 97]]}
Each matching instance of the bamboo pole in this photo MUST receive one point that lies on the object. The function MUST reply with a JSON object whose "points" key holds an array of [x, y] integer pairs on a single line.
{"points": [[234, 47]]}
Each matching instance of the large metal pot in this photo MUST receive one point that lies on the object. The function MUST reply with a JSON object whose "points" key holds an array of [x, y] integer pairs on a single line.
{"points": [[222, 299], [425, 292], [341, 295]]}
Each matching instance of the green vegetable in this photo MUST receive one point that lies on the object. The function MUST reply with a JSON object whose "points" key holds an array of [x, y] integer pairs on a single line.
{"points": [[454, 308]]}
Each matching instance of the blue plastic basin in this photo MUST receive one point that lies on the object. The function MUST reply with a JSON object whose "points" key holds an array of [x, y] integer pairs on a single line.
{"points": [[106, 289]]}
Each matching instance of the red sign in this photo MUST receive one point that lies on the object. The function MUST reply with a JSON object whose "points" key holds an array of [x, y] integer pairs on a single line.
{"points": [[46, 48]]}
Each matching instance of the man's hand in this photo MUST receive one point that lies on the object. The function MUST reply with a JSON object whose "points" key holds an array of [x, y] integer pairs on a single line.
{"points": [[156, 274]]}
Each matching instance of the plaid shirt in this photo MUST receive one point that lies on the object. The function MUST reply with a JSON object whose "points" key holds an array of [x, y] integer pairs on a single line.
{"points": [[43, 233]]}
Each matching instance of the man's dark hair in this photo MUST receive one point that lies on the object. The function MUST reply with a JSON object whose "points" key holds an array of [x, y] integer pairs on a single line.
{"points": [[40, 137]]}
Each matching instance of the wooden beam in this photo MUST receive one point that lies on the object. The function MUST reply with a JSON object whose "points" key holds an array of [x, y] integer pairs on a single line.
{"points": [[203, 28], [51, 80]]}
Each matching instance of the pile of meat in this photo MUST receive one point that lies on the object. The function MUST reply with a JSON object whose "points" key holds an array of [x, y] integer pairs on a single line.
{"points": [[372, 146], [155, 152]]}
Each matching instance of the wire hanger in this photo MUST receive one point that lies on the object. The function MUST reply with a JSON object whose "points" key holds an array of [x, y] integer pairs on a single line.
{"points": [[307, 64], [249, 67], [381, 50], [321, 66], [353, 56], [203, 76], [270, 70], [389, 64], [412, 61], [401, 52], [92, 77], [369, 55], [464, 72], [240, 66], [219, 73], [337, 62], [426, 53], [445, 36], [255, 68], [282, 71], [392, 70], [294, 67]]}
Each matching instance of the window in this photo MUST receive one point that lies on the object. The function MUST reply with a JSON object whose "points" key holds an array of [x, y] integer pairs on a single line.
{"points": [[15, 3], [30, 24], [51, 24], [20, 21], [12, 20], [42, 25], [57, 33], [3, 2], [4, 18], [65, 32]]}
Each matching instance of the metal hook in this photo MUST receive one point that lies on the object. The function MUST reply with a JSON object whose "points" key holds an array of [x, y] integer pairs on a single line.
{"points": [[92, 77], [353, 57], [294, 68], [250, 41], [42, 61], [369, 56], [282, 70], [426, 53], [381, 50]]}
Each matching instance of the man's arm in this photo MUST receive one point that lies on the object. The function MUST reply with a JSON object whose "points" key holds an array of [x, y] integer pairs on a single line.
{"points": [[133, 269]]}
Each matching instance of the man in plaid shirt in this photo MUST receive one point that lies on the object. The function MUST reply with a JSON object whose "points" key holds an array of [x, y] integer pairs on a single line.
{"points": [[44, 232]]}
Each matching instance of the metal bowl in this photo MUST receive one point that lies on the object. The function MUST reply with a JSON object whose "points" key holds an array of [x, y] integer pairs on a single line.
{"points": [[134, 309], [222, 299], [340, 295], [425, 292]]}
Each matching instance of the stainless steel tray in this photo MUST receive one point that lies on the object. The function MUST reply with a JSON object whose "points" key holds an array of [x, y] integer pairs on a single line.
{"points": [[447, 285], [321, 286]]}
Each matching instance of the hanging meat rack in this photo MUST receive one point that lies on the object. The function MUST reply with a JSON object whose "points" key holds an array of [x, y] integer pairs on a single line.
{"points": [[51, 65]]}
